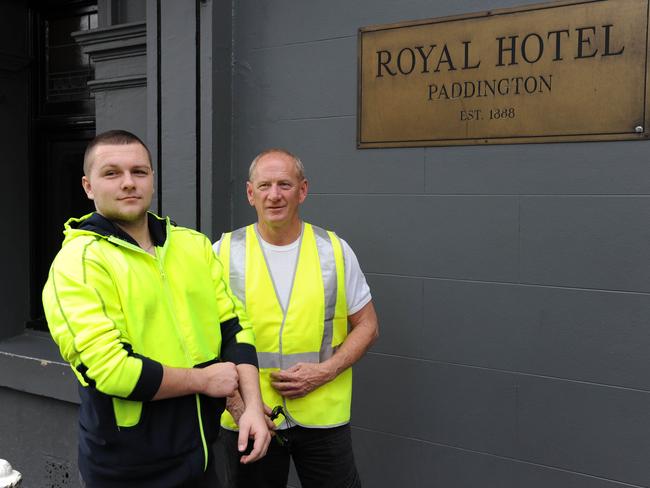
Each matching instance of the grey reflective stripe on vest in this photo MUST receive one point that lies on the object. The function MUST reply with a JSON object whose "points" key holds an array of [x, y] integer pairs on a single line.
{"points": [[328, 270], [273, 360], [238, 264]]}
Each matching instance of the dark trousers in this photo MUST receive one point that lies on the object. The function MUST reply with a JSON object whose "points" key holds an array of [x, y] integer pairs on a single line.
{"points": [[209, 479], [323, 459]]}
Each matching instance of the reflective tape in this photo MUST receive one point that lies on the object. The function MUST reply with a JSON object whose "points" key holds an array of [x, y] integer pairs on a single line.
{"points": [[273, 360], [238, 264], [328, 271]]}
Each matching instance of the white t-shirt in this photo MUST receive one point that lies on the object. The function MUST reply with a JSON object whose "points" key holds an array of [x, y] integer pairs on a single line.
{"points": [[282, 261]]}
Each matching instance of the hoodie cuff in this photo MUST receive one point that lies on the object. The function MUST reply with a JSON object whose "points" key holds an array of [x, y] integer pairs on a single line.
{"points": [[241, 354], [149, 381]]}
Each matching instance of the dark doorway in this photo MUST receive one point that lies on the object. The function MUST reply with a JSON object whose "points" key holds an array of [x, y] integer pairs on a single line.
{"points": [[63, 121]]}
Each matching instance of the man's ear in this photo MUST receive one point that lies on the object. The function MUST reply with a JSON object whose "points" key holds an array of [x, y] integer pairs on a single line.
{"points": [[304, 189], [249, 193], [85, 183]]}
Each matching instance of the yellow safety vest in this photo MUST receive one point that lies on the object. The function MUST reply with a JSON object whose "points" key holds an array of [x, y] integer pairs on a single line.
{"points": [[310, 330]]}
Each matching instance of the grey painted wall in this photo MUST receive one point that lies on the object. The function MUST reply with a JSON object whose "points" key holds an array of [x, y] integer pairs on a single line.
{"points": [[189, 110], [512, 282], [39, 438]]}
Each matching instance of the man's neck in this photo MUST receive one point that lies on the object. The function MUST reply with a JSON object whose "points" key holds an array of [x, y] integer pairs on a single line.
{"points": [[280, 236], [139, 230]]}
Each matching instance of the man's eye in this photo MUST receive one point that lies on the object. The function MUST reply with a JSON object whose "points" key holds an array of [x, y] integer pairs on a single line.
{"points": [[263, 186]]}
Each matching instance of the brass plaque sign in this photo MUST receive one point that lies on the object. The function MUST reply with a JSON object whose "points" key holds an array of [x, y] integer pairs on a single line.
{"points": [[563, 71]]}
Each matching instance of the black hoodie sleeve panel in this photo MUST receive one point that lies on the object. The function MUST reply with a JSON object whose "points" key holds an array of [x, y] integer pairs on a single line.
{"points": [[229, 330], [233, 351], [240, 354], [149, 381]]}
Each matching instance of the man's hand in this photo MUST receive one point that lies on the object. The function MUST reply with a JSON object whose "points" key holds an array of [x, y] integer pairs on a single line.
{"points": [[235, 405], [221, 380], [252, 425], [300, 379], [253, 422], [216, 380], [297, 381]]}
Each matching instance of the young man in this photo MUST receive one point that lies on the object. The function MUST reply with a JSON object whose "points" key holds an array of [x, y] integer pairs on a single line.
{"points": [[141, 311], [300, 285]]}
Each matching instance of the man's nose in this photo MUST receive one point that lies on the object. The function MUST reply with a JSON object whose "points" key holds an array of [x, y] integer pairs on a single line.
{"points": [[274, 192], [127, 180]]}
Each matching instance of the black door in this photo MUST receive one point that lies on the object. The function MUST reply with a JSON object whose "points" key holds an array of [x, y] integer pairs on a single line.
{"points": [[63, 121]]}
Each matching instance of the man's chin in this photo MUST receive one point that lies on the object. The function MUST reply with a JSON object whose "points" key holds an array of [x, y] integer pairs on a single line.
{"points": [[271, 222], [125, 217], [276, 216]]}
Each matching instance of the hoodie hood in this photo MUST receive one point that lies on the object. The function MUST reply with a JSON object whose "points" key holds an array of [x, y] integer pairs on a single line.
{"points": [[96, 224]]}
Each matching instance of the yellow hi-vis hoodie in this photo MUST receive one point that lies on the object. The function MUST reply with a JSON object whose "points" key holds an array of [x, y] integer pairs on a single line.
{"points": [[118, 314]]}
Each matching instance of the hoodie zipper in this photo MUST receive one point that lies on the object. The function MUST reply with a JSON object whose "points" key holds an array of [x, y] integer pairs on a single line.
{"points": [[169, 303]]}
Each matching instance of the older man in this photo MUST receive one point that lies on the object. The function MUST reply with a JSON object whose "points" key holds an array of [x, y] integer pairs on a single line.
{"points": [[301, 286]]}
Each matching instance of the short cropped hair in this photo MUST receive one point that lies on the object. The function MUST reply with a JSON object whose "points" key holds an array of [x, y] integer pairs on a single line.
{"points": [[300, 168], [117, 137]]}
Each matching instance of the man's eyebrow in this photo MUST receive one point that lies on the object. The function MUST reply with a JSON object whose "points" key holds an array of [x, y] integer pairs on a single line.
{"points": [[115, 165]]}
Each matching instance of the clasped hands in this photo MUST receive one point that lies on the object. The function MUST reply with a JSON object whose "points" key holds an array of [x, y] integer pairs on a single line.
{"points": [[294, 382], [222, 380]]}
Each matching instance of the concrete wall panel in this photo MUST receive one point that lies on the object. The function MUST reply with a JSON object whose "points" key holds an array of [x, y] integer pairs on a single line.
{"points": [[388, 460], [44, 447], [455, 237], [469, 408], [544, 169], [582, 335], [585, 428], [399, 302], [577, 427], [588, 242], [272, 83], [287, 22]]}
